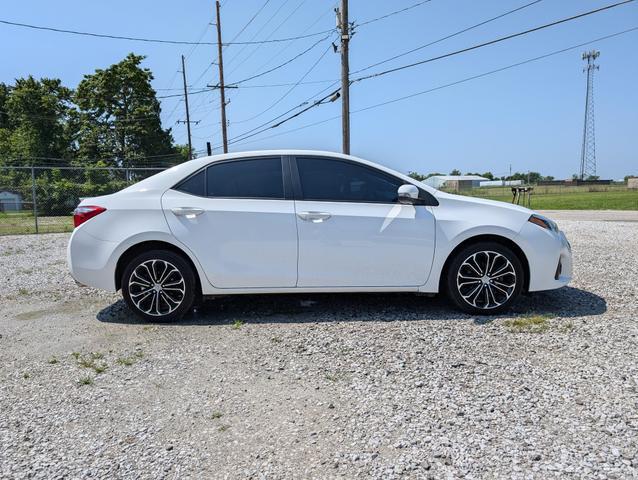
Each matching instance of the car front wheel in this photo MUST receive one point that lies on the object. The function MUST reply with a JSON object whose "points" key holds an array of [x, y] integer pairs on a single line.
{"points": [[159, 286], [485, 278]]}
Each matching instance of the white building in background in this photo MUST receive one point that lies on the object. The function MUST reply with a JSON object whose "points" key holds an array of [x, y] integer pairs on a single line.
{"points": [[501, 183], [10, 201], [455, 182]]}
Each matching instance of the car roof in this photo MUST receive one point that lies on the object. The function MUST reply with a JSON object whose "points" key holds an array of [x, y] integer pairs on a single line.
{"points": [[168, 178]]}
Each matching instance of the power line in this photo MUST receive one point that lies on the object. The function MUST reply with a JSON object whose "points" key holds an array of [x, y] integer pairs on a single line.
{"points": [[497, 70], [301, 105], [289, 91], [59, 159], [186, 42], [201, 75], [158, 40], [191, 51], [268, 85], [199, 40], [459, 32], [396, 12], [249, 22], [447, 85], [234, 84], [273, 85], [287, 45], [190, 92], [238, 54], [272, 33], [492, 42], [144, 118], [284, 63], [332, 96], [367, 22], [170, 115]]}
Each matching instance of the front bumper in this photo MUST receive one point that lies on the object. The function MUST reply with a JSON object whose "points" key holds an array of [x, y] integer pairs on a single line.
{"points": [[545, 251]]}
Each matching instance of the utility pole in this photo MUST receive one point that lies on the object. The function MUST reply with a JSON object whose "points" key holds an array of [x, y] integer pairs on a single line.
{"points": [[222, 93], [588, 149], [344, 27], [188, 118]]}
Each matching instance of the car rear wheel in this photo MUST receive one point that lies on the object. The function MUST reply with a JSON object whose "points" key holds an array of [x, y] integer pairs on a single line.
{"points": [[159, 286], [485, 278]]}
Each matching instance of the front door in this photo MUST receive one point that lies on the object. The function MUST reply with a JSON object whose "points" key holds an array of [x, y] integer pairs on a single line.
{"points": [[238, 221], [352, 230]]}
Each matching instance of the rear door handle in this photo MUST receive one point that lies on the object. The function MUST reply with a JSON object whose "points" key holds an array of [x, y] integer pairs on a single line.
{"points": [[314, 217], [187, 211]]}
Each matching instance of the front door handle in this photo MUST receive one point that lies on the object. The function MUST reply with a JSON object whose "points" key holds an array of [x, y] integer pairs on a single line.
{"points": [[314, 217], [188, 212]]}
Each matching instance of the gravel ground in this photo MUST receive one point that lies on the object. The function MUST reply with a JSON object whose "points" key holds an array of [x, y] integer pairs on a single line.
{"points": [[321, 386]]}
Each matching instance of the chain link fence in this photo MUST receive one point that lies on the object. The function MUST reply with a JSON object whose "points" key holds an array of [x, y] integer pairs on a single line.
{"points": [[41, 199]]}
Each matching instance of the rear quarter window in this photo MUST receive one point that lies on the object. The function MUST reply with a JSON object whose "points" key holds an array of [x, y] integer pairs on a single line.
{"points": [[194, 185]]}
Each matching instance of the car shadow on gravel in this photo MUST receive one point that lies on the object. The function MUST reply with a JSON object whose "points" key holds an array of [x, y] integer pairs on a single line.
{"points": [[386, 307]]}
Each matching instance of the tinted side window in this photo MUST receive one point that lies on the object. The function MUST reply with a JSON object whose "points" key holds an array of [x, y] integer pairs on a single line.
{"points": [[328, 179], [258, 178], [195, 185]]}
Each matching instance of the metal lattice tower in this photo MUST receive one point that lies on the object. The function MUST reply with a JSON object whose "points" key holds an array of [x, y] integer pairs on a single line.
{"points": [[588, 152]]}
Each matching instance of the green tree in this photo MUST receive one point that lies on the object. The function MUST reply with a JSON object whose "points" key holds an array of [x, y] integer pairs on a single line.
{"points": [[119, 118], [4, 96], [34, 120], [488, 175], [455, 172]]}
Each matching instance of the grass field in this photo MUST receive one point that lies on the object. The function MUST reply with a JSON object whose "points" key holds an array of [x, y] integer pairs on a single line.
{"points": [[610, 197], [23, 222]]}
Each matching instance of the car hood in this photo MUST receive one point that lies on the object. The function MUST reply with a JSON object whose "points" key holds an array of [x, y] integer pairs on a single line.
{"points": [[462, 199], [458, 215]]}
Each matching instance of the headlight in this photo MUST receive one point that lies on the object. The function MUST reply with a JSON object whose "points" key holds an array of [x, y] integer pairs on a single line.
{"points": [[544, 222]]}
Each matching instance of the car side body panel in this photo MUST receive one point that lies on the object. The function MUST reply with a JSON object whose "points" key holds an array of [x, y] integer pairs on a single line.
{"points": [[224, 238], [363, 245]]}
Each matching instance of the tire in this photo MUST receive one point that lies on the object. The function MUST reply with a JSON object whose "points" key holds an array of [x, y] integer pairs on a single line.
{"points": [[472, 291], [159, 286]]}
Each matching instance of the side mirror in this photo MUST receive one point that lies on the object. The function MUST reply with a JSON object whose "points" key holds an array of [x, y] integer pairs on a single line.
{"points": [[408, 194]]}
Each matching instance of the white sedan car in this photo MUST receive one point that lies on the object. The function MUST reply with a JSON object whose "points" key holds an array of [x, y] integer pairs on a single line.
{"points": [[307, 221]]}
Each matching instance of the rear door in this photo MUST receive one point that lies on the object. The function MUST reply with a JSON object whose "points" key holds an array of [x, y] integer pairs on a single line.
{"points": [[353, 232], [238, 219]]}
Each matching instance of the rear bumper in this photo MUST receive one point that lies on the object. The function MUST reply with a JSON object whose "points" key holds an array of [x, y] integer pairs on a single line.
{"points": [[91, 260], [545, 251]]}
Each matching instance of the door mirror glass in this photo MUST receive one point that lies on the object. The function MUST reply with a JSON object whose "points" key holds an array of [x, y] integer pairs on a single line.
{"points": [[408, 194]]}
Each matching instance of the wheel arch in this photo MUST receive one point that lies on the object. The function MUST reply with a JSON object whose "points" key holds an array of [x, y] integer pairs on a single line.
{"points": [[145, 246], [506, 242]]}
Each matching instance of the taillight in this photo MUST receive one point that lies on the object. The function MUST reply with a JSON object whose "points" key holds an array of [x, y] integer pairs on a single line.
{"points": [[85, 212]]}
